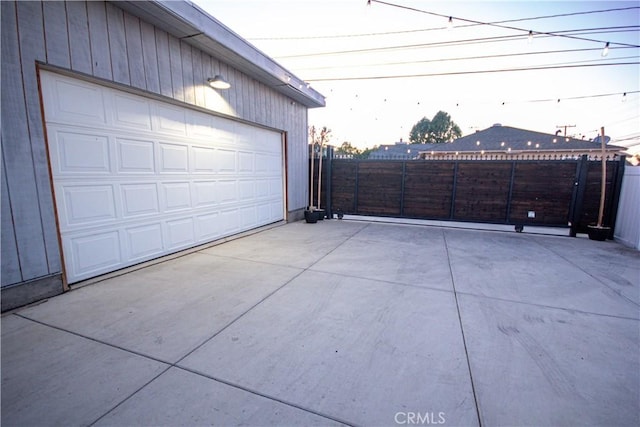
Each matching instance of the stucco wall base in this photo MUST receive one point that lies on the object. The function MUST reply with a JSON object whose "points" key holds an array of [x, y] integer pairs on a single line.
{"points": [[31, 291], [297, 215]]}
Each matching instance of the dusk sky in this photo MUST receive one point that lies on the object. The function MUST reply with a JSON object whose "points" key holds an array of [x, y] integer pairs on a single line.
{"points": [[384, 66]]}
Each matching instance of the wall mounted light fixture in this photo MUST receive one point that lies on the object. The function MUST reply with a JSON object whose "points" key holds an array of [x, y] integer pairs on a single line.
{"points": [[218, 82]]}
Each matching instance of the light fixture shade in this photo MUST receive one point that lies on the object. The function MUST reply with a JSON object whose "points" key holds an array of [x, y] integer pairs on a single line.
{"points": [[218, 82]]}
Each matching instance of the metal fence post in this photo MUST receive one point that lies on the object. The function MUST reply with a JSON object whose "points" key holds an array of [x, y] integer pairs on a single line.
{"points": [[510, 196], [453, 190], [616, 187], [580, 184], [404, 177]]}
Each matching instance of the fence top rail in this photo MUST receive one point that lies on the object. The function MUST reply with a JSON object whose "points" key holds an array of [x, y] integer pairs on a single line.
{"points": [[496, 158]]}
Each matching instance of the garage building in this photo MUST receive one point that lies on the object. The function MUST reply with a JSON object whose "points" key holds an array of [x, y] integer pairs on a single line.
{"points": [[117, 148]]}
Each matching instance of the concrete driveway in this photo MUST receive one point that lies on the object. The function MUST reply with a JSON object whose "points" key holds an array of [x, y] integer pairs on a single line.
{"points": [[341, 322]]}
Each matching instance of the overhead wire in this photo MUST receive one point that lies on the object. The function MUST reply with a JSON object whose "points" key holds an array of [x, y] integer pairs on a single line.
{"points": [[454, 73], [508, 27], [386, 33], [463, 58], [461, 42]]}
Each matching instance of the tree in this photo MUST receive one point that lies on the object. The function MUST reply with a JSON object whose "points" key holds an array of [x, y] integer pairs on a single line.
{"points": [[437, 130], [443, 128], [367, 151], [347, 149], [319, 137], [420, 131]]}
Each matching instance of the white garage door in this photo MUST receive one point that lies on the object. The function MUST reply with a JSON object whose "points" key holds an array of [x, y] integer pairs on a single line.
{"points": [[136, 178]]}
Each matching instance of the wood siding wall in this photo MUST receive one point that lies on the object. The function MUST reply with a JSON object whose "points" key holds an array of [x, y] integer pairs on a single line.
{"points": [[99, 39]]}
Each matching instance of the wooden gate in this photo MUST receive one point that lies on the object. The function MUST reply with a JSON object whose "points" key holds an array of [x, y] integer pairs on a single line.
{"points": [[556, 193]]}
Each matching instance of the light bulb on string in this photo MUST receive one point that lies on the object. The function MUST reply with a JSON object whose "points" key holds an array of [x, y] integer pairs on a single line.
{"points": [[530, 38], [624, 97], [450, 23], [605, 51]]}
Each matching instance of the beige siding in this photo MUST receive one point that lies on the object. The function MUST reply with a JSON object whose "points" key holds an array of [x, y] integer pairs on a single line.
{"points": [[102, 40]]}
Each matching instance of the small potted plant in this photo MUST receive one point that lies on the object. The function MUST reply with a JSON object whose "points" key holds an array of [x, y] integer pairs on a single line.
{"points": [[311, 215]]}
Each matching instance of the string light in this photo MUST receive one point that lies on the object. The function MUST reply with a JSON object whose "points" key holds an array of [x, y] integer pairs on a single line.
{"points": [[605, 51], [530, 39], [457, 73], [450, 23], [461, 42], [508, 27]]}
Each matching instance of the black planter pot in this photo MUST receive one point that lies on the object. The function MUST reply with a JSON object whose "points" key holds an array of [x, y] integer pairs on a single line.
{"points": [[321, 213], [598, 233], [311, 217]]}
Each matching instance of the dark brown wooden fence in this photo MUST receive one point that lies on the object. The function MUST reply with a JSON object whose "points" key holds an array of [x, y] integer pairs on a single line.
{"points": [[519, 192]]}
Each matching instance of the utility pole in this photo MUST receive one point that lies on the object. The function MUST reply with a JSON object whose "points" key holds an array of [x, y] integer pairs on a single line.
{"points": [[565, 128]]}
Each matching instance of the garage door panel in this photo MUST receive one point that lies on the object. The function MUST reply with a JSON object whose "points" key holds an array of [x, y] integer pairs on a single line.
{"points": [[206, 193], [208, 227], [264, 212], [226, 161], [246, 190], [204, 160], [275, 188], [174, 158], [144, 242], [135, 156], [88, 203], [93, 254], [131, 112], [264, 163], [61, 94], [175, 196], [79, 152], [139, 199], [248, 216], [245, 162], [276, 210], [262, 188], [170, 119], [227, 191], [229, 221], [201, 125], [180, 233], [146, 178]]}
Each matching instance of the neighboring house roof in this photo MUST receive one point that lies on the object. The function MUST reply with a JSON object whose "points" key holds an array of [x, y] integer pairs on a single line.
{"points": [[194, 26], [497, 139]]}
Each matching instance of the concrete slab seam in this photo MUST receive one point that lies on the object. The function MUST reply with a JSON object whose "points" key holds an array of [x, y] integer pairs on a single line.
{"points": [[551, 307], [266, 396], [169, 365], [464, 341], [127, 350], [130, 396], [175, 365], [389, 282], [586, 272], [241, 315]]}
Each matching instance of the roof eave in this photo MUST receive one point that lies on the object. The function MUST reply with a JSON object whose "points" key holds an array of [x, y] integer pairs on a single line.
{"points": [[191, 24]]}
